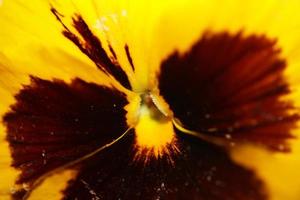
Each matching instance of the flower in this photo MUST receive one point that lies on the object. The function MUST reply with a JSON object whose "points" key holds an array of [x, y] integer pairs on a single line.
{"points": [[160, 100]]}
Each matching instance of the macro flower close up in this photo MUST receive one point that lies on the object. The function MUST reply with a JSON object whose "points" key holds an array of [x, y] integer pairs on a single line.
{"points": [[130, 99]]}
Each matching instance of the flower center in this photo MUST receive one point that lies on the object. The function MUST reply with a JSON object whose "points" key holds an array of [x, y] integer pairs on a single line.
{"points": [[155, 135]]}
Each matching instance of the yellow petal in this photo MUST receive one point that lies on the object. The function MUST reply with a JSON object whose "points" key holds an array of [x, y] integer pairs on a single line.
{"points": [[53, 187], [32, 43], [279, 171]]}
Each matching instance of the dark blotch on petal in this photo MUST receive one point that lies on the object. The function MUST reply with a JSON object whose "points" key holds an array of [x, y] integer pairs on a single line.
{"points": [[201, 172], [53, 123], [229, 85]]}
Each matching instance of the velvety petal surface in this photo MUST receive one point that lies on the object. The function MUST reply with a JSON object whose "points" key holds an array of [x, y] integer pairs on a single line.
{"points": [[53, 123], [229, 86], [194, 174]]}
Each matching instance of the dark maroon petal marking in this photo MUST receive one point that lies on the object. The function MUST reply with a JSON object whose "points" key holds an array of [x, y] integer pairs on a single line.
{"points": [[53, 123], [112, 51], [230, 85], [129, 57], [201, 172], [92, 47]]}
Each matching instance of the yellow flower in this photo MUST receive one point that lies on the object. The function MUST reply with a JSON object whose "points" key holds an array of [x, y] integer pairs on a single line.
{"points": [[149, 100]]}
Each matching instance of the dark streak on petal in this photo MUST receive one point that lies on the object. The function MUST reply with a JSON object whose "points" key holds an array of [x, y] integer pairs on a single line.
{"points": [[202, 171], [92, 47], [229, 85], [112, 51], [129, 56], [58, 17], [53, 123]]}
